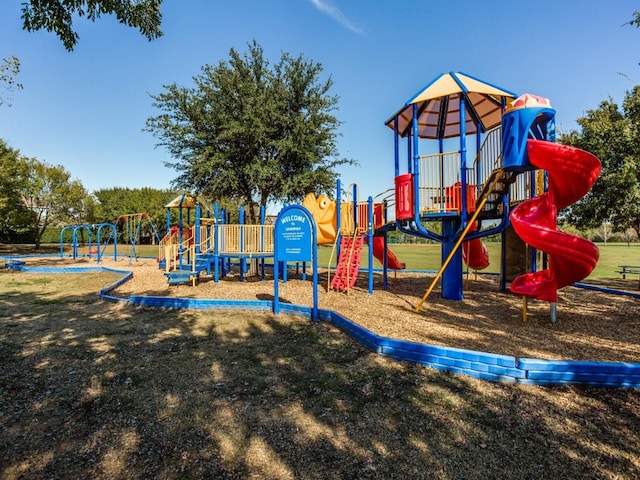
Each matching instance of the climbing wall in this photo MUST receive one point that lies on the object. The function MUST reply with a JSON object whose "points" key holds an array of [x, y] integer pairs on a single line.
{"points": [[348, 263]]}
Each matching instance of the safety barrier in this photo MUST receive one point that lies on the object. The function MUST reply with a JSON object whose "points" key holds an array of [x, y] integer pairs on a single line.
{"points": [[482, 365]]}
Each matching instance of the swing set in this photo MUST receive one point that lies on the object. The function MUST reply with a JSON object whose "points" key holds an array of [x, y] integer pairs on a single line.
{"points": [[132, 227], [90, 229]]}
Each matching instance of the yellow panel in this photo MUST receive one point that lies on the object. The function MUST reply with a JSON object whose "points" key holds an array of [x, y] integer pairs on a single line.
{"points": [[443, 86]]}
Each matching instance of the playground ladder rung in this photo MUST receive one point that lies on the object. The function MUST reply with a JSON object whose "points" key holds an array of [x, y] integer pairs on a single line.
{"points": [[348, 263]]}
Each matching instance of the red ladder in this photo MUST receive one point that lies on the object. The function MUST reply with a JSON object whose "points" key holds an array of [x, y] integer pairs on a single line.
{"points": [[348, 263]]}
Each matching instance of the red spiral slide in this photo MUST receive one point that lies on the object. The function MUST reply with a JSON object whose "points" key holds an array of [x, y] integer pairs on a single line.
{"points": [[571, 173]]}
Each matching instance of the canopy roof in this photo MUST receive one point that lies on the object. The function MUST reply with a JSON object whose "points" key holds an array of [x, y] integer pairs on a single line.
{"points": [[184, 200], [439, 107]]}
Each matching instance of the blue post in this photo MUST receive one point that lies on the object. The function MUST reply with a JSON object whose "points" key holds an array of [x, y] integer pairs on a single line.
{"points": [[242, 260], [216, 237], [197, 236], [75, 243], [479, 173], [452, 276], [262, 221], [410, 149], [338, 218], [416, 165], [396, 146], [463, 163], [370, 237], [62, 240], [355, 206], [503, 261]]}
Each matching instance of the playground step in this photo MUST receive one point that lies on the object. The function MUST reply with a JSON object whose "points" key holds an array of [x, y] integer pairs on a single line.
{"points": [[179, 277]]}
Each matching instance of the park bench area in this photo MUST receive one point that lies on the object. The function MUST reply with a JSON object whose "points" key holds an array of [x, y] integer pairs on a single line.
{"points": [[629, 270]]}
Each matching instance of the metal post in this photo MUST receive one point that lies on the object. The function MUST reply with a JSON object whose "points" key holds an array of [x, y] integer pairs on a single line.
{"points": [[370, 235], [463, 163]]}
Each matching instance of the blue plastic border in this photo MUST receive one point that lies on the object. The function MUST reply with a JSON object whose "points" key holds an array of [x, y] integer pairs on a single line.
{"points": [[482, 365]]}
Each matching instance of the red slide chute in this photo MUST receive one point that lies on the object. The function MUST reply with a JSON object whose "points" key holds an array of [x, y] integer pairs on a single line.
{"points": [[378, 252], [571, 173]]}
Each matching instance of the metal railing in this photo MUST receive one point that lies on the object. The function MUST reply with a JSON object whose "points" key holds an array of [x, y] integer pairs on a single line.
{"points": [[436, 173], [245, 239]]}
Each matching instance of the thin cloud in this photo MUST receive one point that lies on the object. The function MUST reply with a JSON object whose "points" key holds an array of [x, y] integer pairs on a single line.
{"points": [[335, 13]]}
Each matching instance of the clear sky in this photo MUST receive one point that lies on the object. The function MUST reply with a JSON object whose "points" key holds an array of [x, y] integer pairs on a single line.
{"points": [[86, 109]]}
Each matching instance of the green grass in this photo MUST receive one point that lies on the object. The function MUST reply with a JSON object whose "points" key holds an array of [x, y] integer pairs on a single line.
{"points": [[428, 257]]}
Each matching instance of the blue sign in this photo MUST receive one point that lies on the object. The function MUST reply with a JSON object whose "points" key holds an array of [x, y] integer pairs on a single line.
{"points": [[294, 235], [295, 241]]}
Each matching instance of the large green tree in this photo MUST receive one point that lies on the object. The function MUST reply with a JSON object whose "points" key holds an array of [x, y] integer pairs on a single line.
{"points": [[57, 16], [613, 135], [53, 197], [15, 218], [117, 201], [35, 195], [250, 131]]}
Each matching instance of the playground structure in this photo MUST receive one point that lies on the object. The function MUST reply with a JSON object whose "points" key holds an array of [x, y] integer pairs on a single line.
{"points": [[513, 175], [518, 176], [211, 244], [504, 183]]}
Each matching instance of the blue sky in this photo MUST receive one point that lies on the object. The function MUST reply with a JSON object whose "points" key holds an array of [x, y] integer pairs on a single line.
{"points": [[86, 109]]}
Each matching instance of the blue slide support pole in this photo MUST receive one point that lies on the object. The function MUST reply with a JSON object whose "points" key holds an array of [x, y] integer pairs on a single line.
{"points": [[452, 276], [503, 261]]}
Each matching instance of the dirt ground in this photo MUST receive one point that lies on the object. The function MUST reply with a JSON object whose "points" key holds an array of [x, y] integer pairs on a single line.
{"points": [[591, 325], [106, 390]]}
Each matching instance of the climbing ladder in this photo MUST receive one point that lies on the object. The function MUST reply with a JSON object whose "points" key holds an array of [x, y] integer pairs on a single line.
{"points": [[348, 262]]}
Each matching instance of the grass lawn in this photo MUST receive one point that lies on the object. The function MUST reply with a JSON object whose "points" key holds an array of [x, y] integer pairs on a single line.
{"points": [[91, 389], [428, 257]]}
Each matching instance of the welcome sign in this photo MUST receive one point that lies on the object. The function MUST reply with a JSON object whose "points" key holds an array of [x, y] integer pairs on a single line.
{"points": [[294, 231], [295, 241]]}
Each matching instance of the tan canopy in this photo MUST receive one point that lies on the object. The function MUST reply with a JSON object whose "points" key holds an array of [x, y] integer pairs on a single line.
{"points": [[184, 200], [439, 107]]}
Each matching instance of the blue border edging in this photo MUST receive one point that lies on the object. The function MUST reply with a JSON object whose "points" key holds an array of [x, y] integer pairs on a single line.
{"points": [[587, 286], [482, 365]]}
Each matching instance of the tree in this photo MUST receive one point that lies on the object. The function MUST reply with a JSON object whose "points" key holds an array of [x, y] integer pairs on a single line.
{"points": [[52, 197], [9, 70], [57, 16], [15, 217], [613, 135], [635, 21], [113, 202], [251, 132]]}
